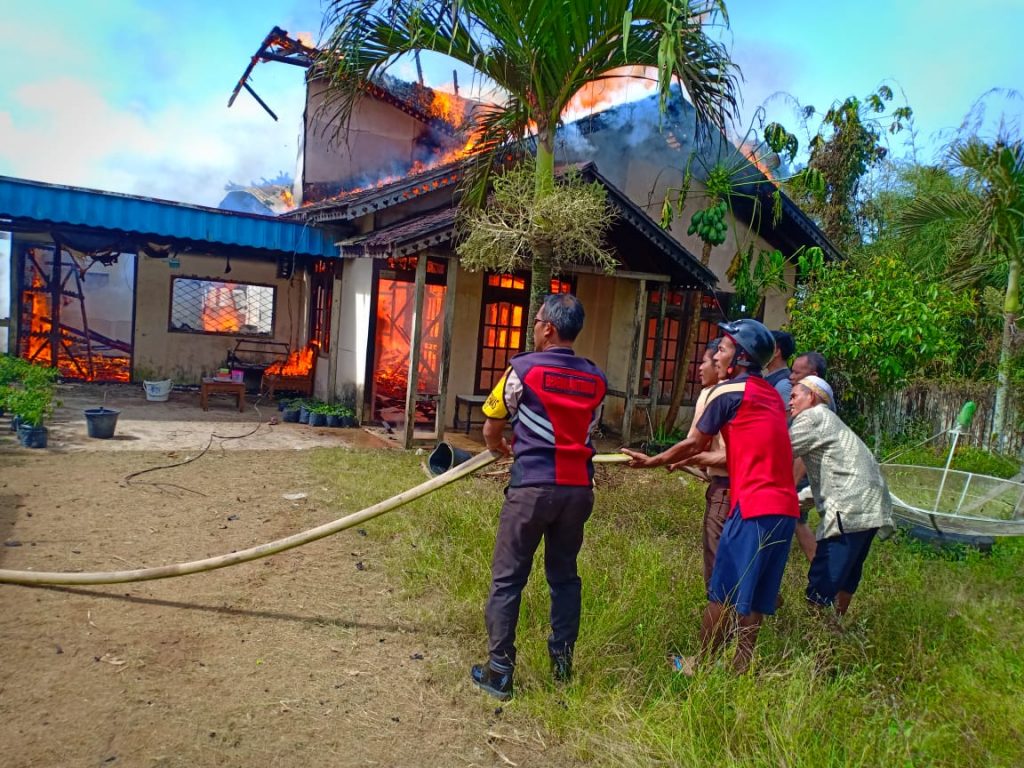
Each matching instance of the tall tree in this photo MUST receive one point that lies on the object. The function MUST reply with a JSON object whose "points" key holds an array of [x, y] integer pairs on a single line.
{"points": [[988, 211], [540, 53], [849, 142]]}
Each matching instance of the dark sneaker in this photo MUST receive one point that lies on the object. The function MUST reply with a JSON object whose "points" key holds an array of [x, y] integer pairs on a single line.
{"points": [[561, 666], [492, 681]]}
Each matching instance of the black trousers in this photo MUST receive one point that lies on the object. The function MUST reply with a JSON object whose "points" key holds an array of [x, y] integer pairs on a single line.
{"points": [[557, 515]]}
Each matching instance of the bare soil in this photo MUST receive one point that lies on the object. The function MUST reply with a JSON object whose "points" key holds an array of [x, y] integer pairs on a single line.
{"points": [[307, 658]]}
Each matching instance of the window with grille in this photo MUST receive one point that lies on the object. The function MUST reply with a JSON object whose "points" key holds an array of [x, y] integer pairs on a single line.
{"points": [[506, 300], [321, 288], [221, 307]]}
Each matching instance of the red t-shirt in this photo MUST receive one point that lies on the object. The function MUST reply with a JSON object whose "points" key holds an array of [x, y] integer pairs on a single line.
{"points": [[752, 419]]}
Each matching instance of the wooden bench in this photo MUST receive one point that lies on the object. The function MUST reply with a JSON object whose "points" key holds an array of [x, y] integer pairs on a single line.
{"points": [[215, 387], [253, 356], [470, 402]]}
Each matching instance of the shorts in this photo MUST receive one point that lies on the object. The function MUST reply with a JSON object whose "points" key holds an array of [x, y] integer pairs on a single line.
{"points": [[837, 566], [751, 558]]}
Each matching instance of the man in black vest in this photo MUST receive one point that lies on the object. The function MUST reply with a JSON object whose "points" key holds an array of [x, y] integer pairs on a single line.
{"points": [[552, 398]]}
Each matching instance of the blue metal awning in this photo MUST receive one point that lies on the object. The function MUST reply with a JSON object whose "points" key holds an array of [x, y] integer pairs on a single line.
{"points": [[27, 202]]}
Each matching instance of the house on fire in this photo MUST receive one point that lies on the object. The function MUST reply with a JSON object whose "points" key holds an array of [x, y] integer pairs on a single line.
{"points": [[421, 339], [359, 288]]}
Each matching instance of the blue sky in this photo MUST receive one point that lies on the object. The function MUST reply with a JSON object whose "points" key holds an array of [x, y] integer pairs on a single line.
{"points": [[132, 96]]}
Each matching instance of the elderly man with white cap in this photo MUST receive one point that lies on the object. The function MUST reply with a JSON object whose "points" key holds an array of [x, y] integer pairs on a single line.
{"points": [[849, 492]]}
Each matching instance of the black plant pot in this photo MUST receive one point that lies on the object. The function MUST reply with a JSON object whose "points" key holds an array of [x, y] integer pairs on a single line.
{"points": [[303, 415], [290, 414], [317, 419], [101, 422], [32, 437], [349, 421], [333, 421]]}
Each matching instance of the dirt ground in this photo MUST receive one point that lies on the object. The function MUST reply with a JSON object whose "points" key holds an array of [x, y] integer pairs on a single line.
{"points": [[307, 658]]}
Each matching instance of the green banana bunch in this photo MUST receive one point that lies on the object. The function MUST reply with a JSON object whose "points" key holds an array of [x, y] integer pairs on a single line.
{"points": [[709, 224]]}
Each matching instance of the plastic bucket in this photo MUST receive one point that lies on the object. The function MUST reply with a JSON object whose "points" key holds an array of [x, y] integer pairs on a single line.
{"points": [[157, 391], [446, 456], [101, 422]]}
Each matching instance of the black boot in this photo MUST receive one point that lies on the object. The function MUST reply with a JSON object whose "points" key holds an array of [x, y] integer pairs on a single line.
{"points": [[561, 665], [493, 681]]}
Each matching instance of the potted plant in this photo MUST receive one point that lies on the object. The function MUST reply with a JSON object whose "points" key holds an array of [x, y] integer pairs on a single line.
{"points": [[33, 405], [291, 411], [318, 414], [348, 417]]}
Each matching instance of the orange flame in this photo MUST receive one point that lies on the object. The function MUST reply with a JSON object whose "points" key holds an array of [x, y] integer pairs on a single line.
{"points": [[220, 314], [612, 89], [760, 159], [299, 363], [448, 107], [79, 365]]}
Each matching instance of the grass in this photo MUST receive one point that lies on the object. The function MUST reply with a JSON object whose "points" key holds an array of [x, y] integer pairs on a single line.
{"points": [[928, 673]]}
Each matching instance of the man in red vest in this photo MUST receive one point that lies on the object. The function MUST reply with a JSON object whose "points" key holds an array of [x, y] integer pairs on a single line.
{"points": [[552, 398], [756, 539]]}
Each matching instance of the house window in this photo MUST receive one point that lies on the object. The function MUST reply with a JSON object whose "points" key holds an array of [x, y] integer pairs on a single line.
{"points": [[506, 301], [321, 289], [677, 317], [220, 307]]}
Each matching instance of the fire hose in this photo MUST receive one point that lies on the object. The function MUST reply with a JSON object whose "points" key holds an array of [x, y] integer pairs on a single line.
{"points": [[457, 472]]}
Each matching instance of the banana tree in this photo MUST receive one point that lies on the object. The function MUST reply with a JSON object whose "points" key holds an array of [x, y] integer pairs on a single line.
{"points": [[539, 53], [988, 211], [738, 175]]}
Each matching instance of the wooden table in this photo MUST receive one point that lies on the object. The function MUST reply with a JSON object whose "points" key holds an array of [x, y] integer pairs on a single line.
{"points": [[470, 402], [217, 387]]}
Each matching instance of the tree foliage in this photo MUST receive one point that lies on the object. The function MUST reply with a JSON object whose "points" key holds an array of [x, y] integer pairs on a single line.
{"points": [[987, 212], [878, 324], [503, 235], [540, 54], [847, 144]]}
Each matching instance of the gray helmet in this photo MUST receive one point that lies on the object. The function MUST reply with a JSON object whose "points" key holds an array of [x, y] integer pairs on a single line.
{"points": [[754, 341]]}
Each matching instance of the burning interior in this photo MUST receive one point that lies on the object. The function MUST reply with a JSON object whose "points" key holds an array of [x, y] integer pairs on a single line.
{"points": [[77, 313]]}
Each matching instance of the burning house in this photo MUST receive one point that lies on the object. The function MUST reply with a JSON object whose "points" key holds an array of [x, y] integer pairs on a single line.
{"points": [[358, 294], [420, 339], [110, 287]]}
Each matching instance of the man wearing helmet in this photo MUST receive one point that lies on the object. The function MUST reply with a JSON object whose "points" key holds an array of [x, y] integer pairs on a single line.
{"points": [[763, 511]]}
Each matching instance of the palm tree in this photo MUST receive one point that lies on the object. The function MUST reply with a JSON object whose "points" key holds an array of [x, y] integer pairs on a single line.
{"points": [[540, 53], [988, 211]]}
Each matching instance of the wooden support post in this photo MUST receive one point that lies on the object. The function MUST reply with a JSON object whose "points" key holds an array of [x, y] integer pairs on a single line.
{"points": [[414, 350], [446, 347], [659, 338], [635, 350], [55, 303]]}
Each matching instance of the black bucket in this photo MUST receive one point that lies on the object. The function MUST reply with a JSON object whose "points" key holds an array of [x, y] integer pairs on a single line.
{"points": [[446, 456], [100, 422]]}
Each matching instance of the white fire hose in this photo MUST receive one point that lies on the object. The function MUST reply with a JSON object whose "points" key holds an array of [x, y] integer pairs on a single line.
{"points": [[479, 461]]}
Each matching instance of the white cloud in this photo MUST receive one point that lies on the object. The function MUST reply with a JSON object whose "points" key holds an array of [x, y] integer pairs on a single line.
{"points": [[65, 131]]}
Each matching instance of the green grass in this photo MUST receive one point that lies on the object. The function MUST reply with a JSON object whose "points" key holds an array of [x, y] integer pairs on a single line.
{"points": [[929, 672]]}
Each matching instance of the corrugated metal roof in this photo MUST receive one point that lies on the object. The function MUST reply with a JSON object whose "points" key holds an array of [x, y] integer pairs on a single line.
{"points": [[23, 200]]}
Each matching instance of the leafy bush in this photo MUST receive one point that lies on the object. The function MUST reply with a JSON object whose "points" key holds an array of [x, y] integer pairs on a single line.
{"points": [[28, 390]]}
